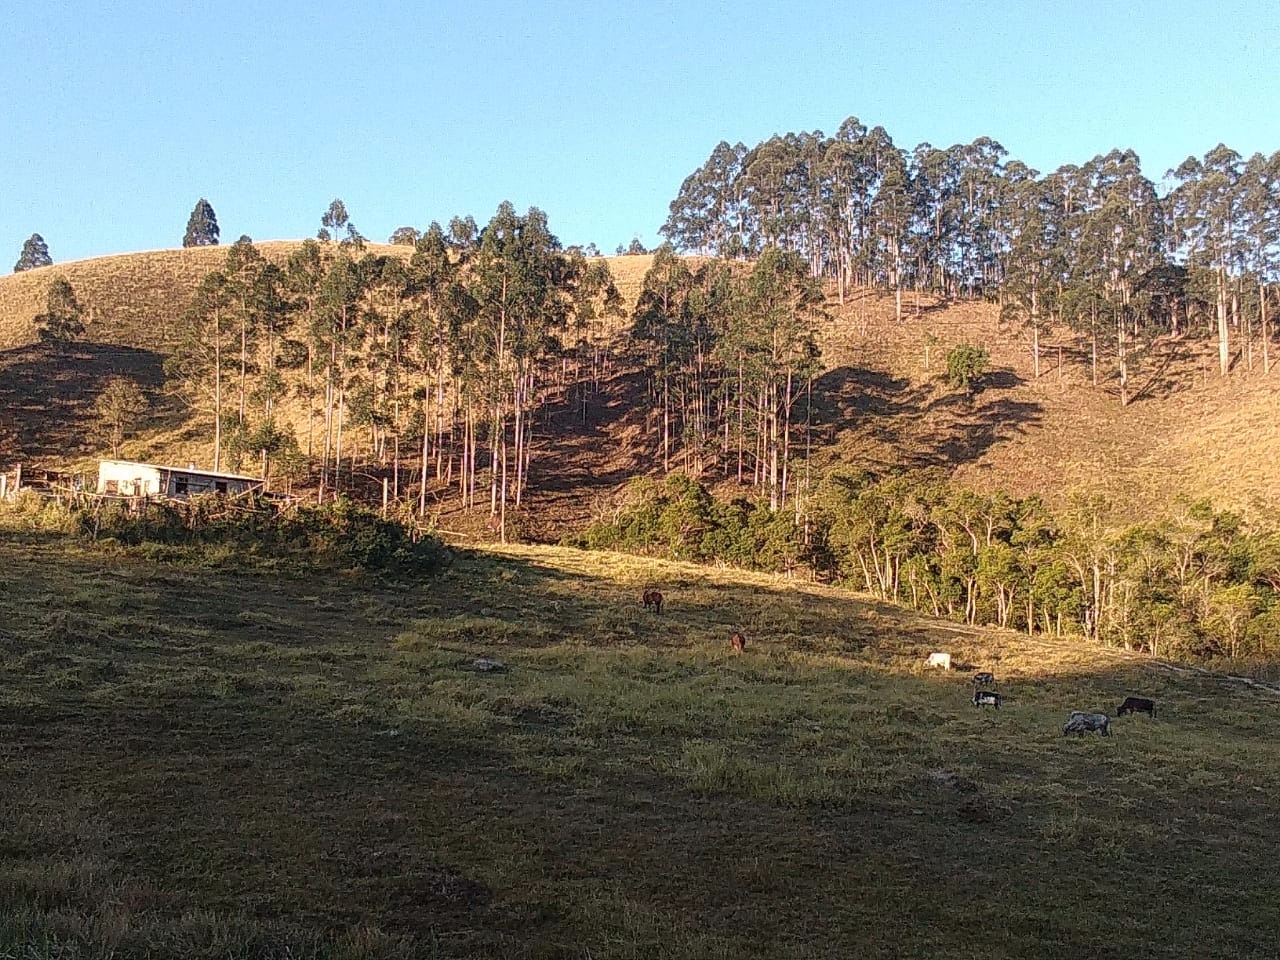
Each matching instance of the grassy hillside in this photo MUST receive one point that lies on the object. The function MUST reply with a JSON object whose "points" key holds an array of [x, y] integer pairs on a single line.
{"points": [[212, 764], [1189, 433], [880, 401], [131, 299]]}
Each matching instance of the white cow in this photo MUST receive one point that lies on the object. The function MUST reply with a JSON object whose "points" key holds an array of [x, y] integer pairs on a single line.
{"points": [[942, 660]]}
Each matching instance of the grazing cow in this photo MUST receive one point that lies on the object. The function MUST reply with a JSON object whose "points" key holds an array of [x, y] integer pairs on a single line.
{"points": [[986, 698], [1137, 705], [738, 642], [1081, 723], [942, 660], [652, 598], [984, 679]]}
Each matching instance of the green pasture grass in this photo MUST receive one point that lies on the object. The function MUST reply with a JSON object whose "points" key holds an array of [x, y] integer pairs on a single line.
{"points": [[212, 763]]}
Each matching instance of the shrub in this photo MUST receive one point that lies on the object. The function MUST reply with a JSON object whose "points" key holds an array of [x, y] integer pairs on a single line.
{"points": [[341, 535], [966, 364]]}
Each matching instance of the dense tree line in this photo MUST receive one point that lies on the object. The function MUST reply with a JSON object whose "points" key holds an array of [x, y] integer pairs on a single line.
{"points": [[1199, 583], [732, 352], [1092, 246], [443, 360]]}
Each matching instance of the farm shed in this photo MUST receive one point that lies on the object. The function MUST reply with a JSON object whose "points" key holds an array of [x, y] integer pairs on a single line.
{"points": [[125, 478]]}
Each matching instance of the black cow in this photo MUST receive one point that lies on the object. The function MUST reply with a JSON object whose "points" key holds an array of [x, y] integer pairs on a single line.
{"points": [[986, 698], [984, 679], [652, 598], [1137, 705]]}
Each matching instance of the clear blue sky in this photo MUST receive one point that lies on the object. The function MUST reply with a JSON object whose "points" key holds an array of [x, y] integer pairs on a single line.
{"points": [[118, 116]]}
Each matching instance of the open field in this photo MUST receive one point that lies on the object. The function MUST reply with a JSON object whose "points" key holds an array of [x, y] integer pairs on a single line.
{"points": [[210, 763]]}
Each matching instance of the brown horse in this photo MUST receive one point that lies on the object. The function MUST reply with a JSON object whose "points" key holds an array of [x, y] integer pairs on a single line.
{"points": [[652, 598], [738, 642]]}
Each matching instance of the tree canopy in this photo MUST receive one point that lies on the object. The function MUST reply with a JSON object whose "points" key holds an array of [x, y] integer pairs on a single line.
{"points": [[35, 253], [63, 318], [202, 226]]}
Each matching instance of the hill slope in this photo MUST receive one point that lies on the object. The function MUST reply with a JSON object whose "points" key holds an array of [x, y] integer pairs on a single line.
{"points": [[878, 402], [212, 764], [1191, 433]]}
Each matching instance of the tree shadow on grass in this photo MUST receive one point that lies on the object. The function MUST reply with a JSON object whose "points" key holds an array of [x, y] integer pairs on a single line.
{"points": [[923, 425], [47, 394]]}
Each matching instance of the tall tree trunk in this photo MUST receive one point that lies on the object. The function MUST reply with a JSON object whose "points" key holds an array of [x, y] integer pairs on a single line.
{"points": [[1266, 332], [1224, 351], [217, 391]]}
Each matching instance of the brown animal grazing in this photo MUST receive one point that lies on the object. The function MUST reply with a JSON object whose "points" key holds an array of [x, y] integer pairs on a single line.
{"points": [[1137, 705], [652, 598], [738, 642]]}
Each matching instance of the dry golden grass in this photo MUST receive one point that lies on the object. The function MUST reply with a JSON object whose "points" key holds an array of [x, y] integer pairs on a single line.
{"points": [[628, 275], [134, 298], [1192, 433], [131, 298]]}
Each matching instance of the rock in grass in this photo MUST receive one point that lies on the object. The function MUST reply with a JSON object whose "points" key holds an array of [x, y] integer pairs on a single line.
{"points": [[484, 665]]}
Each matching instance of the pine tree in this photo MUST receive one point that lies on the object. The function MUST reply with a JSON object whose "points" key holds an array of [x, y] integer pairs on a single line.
{"points": [[202, 227], [35, 253]]}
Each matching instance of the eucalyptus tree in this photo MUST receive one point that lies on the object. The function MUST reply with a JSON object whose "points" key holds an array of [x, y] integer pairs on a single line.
{"points": [[406, 236], [337, 333], [442, 318], [119, 408], [380, 400], [709, 215], [335, 224], [463, 237], [1260, 203], [777, 314], [932, 190], [1128, 235], [205, 346], [661, 322], [596, 300], [243, 269], [303, 274], [892, 209], [523, 287], [1032, 223], [1207, 221]]}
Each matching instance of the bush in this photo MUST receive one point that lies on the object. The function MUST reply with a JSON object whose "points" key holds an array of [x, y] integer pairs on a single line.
{"points": [[30, 511], [679, 519], [966, 364], [341, 535]]}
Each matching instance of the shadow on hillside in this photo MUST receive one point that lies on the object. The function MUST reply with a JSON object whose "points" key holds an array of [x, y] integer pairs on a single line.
{"points": [[924, 425], [47, 395], [584, 451]]}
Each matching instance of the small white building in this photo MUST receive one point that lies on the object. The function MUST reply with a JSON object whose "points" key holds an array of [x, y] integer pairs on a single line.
{"points": [[125, 478]]}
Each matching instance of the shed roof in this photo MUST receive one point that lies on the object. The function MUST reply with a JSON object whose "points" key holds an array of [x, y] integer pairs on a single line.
{"points": [[188, 471]]}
